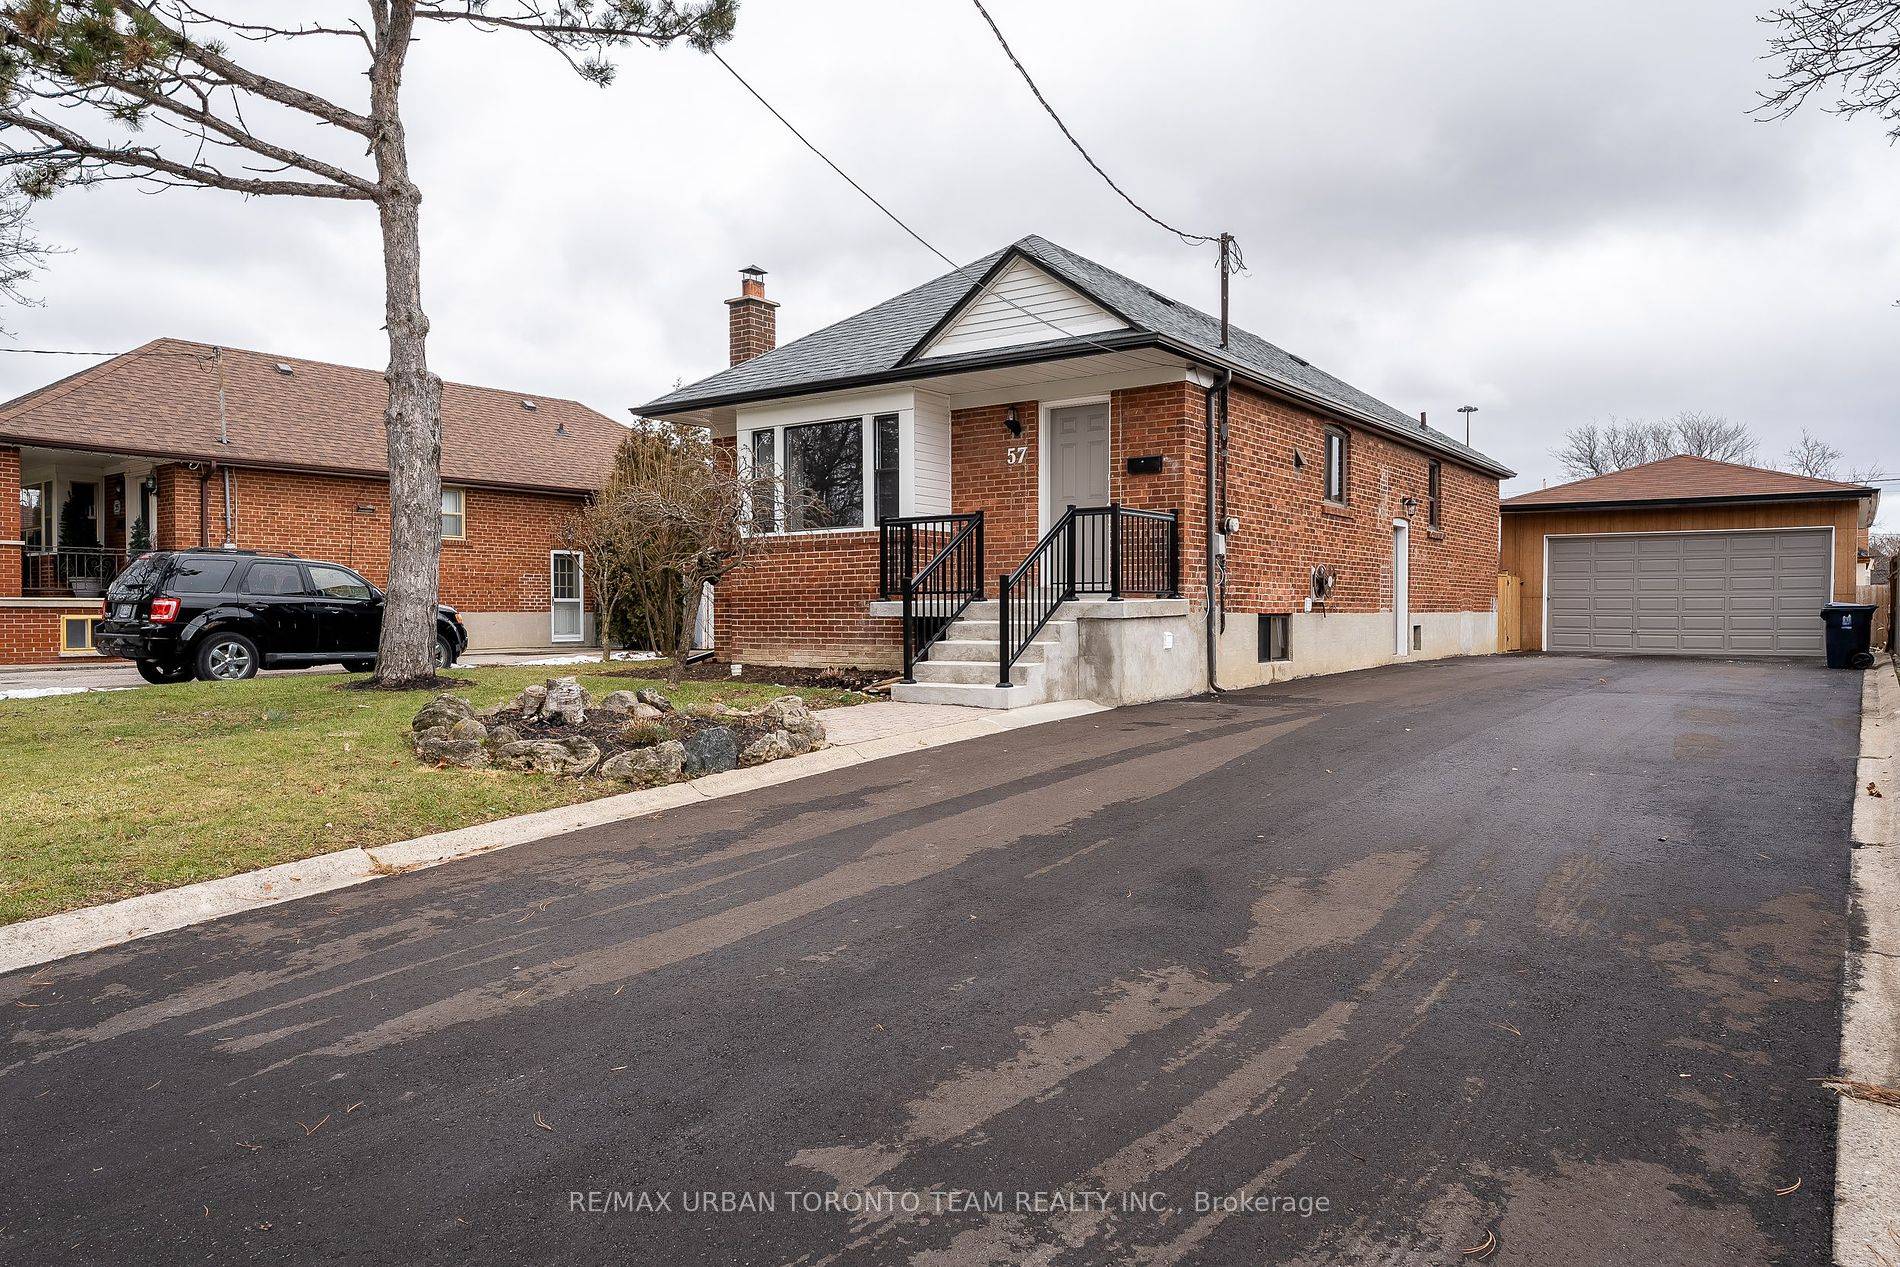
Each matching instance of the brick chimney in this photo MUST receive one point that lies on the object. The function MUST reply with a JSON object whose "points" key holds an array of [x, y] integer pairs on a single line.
{"points": [[752, 319]]}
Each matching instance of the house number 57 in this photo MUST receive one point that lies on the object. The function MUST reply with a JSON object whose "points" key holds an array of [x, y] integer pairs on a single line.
{"points": [[1016, 453]]}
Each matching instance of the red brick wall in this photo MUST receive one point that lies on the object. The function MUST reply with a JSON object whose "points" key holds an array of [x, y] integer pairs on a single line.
{"points": [[1287, 527], [752, 327], [803, 599], [31, 635], [501, 566], [9, 522]]}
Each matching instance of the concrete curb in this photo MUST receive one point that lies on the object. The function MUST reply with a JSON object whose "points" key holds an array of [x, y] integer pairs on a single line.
{"points": [[1867, 1171], [51, 937]]}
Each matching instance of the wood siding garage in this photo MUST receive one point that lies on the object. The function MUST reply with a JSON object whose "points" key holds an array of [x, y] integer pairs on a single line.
{"points": [[1689, 593]]}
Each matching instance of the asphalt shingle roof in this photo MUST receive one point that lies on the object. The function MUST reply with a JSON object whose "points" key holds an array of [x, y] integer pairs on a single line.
{"points": [[877, 340], [1683, 478], [161, 400]]}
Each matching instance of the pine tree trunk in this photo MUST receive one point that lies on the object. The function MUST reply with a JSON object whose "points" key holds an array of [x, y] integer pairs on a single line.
{"points": [[406, 655]]}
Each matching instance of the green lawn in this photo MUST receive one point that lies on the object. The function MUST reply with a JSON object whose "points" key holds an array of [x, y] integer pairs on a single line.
{"points": [[113, 794]]}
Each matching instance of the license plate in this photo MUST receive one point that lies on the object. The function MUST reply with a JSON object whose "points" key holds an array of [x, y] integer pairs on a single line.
{"points": [[122, 612]]}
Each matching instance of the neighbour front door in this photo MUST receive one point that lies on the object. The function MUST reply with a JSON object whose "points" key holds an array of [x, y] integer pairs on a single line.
{"points": [[567, 612]]}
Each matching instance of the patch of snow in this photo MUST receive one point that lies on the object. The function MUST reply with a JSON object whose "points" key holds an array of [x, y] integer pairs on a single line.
{"points": [[589, 658], [41, 692]]}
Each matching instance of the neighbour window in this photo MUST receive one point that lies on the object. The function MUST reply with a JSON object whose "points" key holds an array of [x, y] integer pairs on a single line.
{"points": [[1273, 638], [764, 467], [887, 494], [195, 574], [274, 578], [36, 515], [824, 475], [334, 582], [454, 518], [75, 635], [1434, 483], [1335, 465]]}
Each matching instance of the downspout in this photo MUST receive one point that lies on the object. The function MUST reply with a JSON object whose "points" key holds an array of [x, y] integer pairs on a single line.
{"points": [[204, 504], [1213, 593]]}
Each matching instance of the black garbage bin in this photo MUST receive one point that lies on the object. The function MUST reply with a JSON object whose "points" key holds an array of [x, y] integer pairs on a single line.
{"points": [[1850, 628]]}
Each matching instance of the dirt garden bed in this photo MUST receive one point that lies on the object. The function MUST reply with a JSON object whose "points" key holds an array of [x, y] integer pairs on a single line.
{"points": [[803, 679]]}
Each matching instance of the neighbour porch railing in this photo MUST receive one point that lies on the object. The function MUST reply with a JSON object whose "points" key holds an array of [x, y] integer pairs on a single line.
{"points": [[934, 563], [69, 570], [1109, 550]]}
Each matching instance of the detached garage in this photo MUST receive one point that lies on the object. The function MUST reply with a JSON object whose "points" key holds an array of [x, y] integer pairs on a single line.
{"points": [[1685, 556]]}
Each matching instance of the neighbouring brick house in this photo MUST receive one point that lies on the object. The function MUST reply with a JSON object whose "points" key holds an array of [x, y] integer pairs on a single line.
{"points": [[183, 444], [1015, 441]]}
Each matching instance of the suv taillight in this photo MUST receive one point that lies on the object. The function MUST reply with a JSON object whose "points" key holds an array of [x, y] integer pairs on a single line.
{"points": [[164, 610]]}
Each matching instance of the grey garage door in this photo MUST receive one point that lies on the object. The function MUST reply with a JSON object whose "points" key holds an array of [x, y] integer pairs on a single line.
{"points": [[1689, 593]]}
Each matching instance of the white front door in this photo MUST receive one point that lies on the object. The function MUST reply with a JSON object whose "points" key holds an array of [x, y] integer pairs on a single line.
{"points": [[567, 618], [1078, 458], [1401, 587]]}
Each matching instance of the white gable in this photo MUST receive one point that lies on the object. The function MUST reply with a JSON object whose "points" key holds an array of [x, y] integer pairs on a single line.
{"points": [[1022, 305]]}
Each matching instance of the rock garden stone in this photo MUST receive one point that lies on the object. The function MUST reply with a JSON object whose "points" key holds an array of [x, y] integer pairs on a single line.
{"points": [[438, 747], [653, 699], [469, 728], [617, 702], [503, 734], [767, 747], [711, 750], [661, 763], [443, 710], [528, 703], [789, 713], [566, 700], [572, 755]]}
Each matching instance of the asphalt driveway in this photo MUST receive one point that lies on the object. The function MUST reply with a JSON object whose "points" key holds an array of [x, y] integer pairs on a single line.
{"points": [[1537, 952]]}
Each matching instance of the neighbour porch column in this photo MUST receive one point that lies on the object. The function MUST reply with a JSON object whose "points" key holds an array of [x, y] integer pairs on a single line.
{"points": [[10, 545]]}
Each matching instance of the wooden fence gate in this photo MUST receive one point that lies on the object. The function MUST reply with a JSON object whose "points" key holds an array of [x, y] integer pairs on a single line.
{"points": [[1510, 613]]}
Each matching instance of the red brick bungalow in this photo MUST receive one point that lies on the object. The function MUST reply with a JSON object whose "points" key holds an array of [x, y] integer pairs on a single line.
{"points": [[1041, 456], [183, 444]]}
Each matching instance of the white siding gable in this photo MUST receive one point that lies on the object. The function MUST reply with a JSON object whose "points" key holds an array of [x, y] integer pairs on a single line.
{"points": [[1022, 305]]}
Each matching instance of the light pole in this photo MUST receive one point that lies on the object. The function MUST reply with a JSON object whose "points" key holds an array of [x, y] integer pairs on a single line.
{"points": [[1467, 411]]}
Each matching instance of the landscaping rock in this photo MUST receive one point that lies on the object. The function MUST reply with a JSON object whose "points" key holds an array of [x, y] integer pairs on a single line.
{"points": [[469, 728], [443, 710], [662, 763], [438, 746], [645, 712], [528, 703], [788, 713], [503, 734], [572, 755], [617, 702], [711, 750], [494, 711], [564, 699], [653, 699], [769, 747]]}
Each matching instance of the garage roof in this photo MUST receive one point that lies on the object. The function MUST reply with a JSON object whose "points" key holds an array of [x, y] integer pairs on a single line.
{"points": [[1685, 479]]}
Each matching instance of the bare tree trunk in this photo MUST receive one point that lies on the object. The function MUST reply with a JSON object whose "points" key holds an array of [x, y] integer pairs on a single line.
{"points": [[406, 654], [690, 593]]}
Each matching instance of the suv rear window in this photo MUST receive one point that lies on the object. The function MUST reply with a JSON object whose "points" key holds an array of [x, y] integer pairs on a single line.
{"points": [[198, 574], [138, 575]]}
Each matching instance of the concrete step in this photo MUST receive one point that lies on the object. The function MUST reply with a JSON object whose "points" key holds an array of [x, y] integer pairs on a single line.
{"points": [[972, 649], [975, 672], [967, 630], [965, 694]]}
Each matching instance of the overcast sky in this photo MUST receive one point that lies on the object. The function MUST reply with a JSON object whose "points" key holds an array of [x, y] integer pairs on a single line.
{"points": [[1557, 212]]}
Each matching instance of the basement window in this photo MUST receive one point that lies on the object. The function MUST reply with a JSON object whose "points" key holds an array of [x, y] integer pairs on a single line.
{"points": [[1274, 638], [75, 635]]}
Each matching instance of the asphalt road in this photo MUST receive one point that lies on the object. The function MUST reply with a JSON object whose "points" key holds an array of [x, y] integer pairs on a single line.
{"points": [[1361, 969]]}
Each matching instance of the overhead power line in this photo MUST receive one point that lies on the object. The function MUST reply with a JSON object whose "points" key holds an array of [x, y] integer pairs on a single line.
{"points": [[1192, 239], [961, 269]]}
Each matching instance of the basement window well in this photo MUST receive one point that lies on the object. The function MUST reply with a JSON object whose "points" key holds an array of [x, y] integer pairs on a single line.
{"points": [[1274, 638]]}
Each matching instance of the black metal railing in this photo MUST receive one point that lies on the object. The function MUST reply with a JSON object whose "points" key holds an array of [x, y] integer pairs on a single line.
{"points": [[934, 563], [1111, 550], [69, 570]]}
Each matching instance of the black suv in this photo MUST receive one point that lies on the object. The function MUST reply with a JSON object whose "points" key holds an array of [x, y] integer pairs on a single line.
{"points": [[224, 614]]}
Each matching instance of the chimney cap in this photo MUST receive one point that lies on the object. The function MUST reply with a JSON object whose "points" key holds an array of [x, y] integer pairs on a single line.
{"points": [[752, 271]]}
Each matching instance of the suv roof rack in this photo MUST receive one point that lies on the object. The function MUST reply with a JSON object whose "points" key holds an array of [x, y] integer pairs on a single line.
{"points": [[245, 550]]}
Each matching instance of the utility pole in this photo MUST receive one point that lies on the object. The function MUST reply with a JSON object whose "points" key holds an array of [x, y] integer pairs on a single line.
{"points": [[1226, 267], [1467, 411]]}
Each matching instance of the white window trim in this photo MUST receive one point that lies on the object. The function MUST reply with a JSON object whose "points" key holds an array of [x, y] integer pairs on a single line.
{"points": [[463, 516], [580, 594], [867, 441]]}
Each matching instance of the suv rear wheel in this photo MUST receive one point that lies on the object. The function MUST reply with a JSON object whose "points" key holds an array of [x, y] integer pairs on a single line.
{"points": [[444, 653], [162, 674], [227, 657]]}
